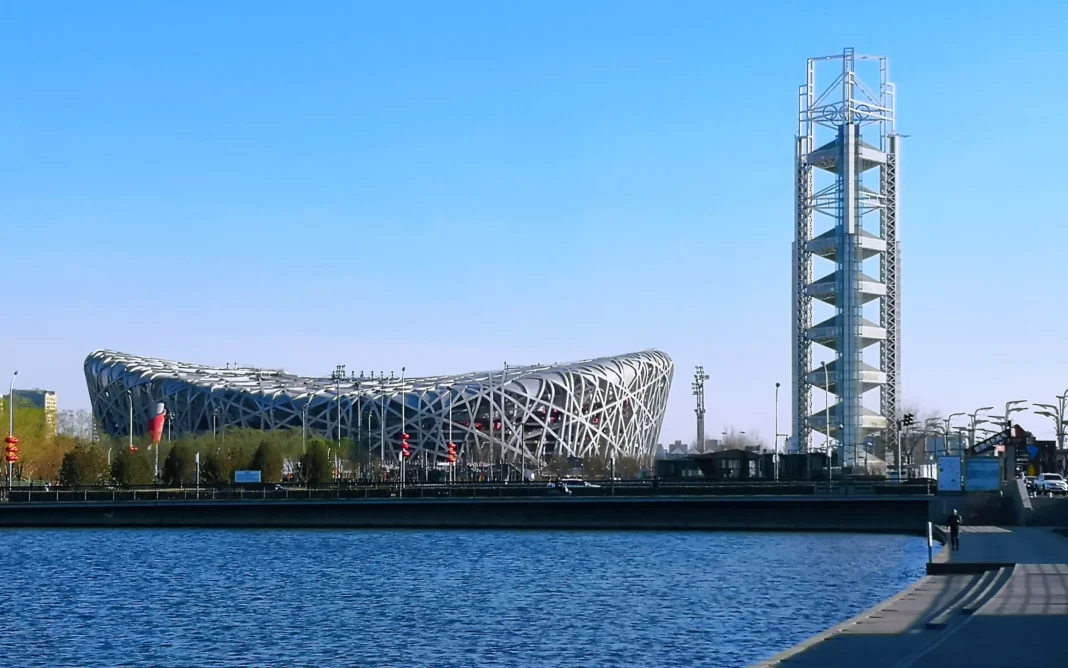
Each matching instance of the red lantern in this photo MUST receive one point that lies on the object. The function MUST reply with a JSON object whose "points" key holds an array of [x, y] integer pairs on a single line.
{"points": [[405, 448], [11, 450], [452, 453]]}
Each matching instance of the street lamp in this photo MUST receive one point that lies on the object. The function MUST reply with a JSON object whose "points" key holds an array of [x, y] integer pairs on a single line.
{"points": [[776, 431], [11, 425], [404, 426], [1057, 414], [129, 396], [382, 423], [338, 376], [930, 426], [304, 425], [975, 421], [949, 425], [1010, 408], [841, 453], [827, 408]]}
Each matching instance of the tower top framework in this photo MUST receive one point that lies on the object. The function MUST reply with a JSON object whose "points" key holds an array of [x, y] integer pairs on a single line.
{"points": [[846, 326]]}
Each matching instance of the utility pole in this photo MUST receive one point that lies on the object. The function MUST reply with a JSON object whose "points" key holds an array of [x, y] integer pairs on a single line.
{"points": [[699, 378]]}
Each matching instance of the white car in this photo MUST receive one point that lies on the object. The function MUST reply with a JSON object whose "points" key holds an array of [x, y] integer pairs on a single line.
{"points": [[1051, 483], [578, 482]]}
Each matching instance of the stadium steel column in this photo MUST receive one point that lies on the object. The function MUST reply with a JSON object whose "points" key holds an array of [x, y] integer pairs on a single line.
{"points": [[846, 169]]}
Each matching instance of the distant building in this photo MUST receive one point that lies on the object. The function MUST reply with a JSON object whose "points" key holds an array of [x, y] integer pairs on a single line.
{"points": [[677, 447], [45, 399], [711, 445]]}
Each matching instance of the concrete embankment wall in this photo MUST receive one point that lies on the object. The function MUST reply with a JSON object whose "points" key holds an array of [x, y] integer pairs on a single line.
{"points": [[852, 514], [1048, 512], [976, 508]]}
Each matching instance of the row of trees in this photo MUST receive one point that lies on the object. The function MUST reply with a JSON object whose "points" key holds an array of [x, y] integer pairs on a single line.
{"points": [[71, 458], [913, 442], [87, 463]]}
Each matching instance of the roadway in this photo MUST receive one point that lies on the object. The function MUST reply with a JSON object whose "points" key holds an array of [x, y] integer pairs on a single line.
{"points": [[1011, 610]]}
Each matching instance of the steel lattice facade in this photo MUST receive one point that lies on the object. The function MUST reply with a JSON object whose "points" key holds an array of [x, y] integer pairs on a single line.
{"points": [[610, 406], [846, 170]]}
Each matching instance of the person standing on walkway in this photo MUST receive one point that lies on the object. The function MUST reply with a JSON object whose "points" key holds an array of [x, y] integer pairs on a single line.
{"points": [[954, 529]]}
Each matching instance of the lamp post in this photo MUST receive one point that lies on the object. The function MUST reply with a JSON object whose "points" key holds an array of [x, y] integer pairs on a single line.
{"points": [[382, 423], [452, 465], [948, 425], [826, 407], [507, 475], [338, 376], [360, 444], [1056, 413], [776, 456], [1012, 407], [975, 421], [11, 405], [304, 425], [930, 426], [11, 440], [841, 453], [404, 425], [129, 397]]}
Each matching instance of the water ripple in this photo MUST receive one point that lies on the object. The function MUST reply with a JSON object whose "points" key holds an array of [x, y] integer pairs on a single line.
{"points": [[432, 598]]}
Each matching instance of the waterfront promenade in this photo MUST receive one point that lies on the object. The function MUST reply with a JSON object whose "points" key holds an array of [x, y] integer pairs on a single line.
{"points": [[1011, 611]]}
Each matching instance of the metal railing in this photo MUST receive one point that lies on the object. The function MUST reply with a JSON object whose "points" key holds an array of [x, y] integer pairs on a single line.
{"points": [[459, 491]]}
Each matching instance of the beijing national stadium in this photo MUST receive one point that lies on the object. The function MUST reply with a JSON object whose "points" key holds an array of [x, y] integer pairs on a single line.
{"points": [[606, 407]]}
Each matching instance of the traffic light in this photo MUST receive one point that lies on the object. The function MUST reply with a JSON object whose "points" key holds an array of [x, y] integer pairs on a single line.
{"points": [[452, 453], [908, 420], [406, 451], [11, 449]]}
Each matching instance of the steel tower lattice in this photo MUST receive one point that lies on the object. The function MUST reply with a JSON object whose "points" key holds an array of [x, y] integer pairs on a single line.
{"points": [[846, 167], [698, 386]]}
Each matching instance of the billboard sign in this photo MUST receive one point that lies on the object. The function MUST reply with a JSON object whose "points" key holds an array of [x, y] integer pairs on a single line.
{"points": [[982, 474], [246, 476], [949, 474]]}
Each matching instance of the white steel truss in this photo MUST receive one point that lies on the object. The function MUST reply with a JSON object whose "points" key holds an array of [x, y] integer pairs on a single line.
{"points": [[846, 167], [610, 406]]}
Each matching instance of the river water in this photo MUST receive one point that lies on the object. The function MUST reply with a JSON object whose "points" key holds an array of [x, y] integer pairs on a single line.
{"points": [[432, 598]]}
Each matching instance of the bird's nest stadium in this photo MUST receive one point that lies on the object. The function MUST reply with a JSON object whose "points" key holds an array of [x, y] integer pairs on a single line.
{"points": [[604, 407]]}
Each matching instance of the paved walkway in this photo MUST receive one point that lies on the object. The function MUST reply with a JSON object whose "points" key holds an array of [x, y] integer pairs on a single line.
{"points": [[1014, 616]]}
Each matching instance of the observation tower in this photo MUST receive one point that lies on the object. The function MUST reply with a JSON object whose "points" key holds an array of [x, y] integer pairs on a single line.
{"points": [[845, 322]]}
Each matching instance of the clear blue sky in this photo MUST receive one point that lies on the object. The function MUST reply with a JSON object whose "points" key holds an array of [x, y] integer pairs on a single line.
{"points": [[452, 185]]}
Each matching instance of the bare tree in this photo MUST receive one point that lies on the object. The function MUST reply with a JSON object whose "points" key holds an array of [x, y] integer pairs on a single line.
{"points": [[741, 439], [914, 441], [77, 423]]}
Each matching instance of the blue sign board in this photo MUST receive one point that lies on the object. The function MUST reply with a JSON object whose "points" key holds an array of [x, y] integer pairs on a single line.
{"points": [[246, 476], [982, 474]]}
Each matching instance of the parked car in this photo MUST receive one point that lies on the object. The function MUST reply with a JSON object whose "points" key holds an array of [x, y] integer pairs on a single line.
{"points": [[578, 482], [1051, 483]]}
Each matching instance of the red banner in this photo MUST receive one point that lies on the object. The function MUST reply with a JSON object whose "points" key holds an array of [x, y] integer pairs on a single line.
{"points": [[155, 424]]}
